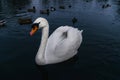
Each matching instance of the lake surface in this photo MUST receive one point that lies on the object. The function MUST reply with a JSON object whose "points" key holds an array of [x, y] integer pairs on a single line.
{"points": [[98, 57]]}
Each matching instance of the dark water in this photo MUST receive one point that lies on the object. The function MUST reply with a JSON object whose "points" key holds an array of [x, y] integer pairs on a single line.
{"points": [[98, 57]]}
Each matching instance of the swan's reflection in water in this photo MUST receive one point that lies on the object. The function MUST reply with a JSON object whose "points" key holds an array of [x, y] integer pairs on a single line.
{"points": [[54, 69]]}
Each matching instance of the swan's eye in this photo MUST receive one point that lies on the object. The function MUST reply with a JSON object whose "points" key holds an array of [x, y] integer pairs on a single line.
{"points": [[35, 25]]}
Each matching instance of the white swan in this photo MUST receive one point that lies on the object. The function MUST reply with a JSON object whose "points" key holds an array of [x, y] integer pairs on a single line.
{"points": [[60, 46]]}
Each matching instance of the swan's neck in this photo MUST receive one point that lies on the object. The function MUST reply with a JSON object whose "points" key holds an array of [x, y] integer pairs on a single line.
{"points": [[40, 59]]}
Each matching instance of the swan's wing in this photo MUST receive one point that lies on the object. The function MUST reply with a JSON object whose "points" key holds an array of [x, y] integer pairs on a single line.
{"points": [[62, 44], [67, 48]]}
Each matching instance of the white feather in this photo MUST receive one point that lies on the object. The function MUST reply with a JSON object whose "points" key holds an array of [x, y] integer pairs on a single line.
{"points": [[59, 46]]}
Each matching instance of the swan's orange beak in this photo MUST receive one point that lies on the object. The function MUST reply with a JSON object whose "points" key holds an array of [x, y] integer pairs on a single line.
{"points": [[33, 30]]}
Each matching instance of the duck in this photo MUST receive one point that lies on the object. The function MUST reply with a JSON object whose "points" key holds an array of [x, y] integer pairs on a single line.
{"points": [[106, 5], [52, 9], [32, 10], [47, 11], [74, 20], [62, 7], [22, 21]]}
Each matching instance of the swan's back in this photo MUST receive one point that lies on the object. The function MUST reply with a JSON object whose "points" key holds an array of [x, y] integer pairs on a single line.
{"points": [[62, 44]]}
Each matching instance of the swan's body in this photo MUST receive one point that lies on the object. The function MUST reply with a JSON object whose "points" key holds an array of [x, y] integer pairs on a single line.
{"points": [[60, 46]]}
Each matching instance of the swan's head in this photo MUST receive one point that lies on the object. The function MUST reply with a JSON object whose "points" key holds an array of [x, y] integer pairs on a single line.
{"points": [[37, 24]]}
